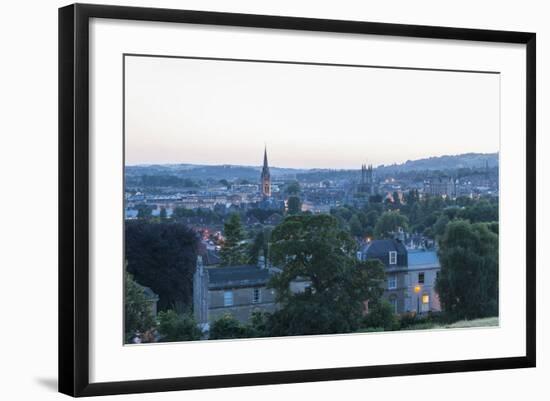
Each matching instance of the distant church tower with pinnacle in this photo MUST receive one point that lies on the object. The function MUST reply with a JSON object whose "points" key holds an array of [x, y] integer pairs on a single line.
{"points": [[265, 178]]}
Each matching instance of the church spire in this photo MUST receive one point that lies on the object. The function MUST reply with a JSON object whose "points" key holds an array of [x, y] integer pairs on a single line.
{"points": [[265, 177], [266, 167]]}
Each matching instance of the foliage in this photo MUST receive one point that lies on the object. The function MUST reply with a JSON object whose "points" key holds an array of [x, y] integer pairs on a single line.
{"points": [[259, 245], [293, 188], [355, 226], [178, 327], [389, 222], [259, 325], [162, 256], [294, 205], [381, 314], [481, 211], [260, 214], [468, 281], [233, 251], [227, 327], [138, 314], [144, 211], [439, 226], [162, 214], [315, 249]]}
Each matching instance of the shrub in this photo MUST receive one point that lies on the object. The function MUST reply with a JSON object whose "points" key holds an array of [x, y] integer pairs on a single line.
{"points": [[178, 327]]}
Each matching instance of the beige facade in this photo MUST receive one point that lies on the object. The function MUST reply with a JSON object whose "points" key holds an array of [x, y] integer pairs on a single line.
{"points": [[241, 303]]}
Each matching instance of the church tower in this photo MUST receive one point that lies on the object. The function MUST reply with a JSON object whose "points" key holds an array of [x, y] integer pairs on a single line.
{"points": [[266, 178]]}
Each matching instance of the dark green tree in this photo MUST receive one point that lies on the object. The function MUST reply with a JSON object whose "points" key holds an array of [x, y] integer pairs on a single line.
{"points": [[294, 205], [138, 313], [162, 256], [233, 251], [259, 246], [439, 226], [162, 213], [389, 222], [178, 327], [227, 327], [468, 281], [396, 199], [293, 188], [355, 226], [144, 211], [315, 249], [381, 315], [480, 211], [371, 218]]}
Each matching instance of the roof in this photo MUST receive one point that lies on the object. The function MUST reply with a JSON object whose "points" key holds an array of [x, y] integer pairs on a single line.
{"points": [[212, 257], [149, 293], [381, 247], [423, 258], [238, 276], [274, 218]]}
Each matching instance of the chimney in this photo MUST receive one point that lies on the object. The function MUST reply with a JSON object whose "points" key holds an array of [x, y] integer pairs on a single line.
{"points": [[261, 262], [200, 265]]}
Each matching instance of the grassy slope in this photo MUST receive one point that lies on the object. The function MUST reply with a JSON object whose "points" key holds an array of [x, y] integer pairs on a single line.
{"points": [[485, 322]]}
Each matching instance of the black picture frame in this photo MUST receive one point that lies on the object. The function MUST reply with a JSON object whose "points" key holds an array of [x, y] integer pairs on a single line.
{"points": [[74, 198]]}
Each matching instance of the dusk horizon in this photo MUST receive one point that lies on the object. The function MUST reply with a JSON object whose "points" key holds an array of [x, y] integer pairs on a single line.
{"points": [[214, 112], [355, 166]]}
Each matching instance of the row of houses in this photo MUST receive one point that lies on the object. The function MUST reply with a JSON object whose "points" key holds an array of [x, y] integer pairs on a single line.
{"points": [[242, 290]]}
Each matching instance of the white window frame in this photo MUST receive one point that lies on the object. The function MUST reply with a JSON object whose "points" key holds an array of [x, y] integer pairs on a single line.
{"points": [[256, 295], [393, 257], [392, 282], [228, 298]]}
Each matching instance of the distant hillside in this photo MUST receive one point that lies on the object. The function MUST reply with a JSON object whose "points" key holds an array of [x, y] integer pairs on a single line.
{"points": [[466, 160], [203, 172], [252, 173]]}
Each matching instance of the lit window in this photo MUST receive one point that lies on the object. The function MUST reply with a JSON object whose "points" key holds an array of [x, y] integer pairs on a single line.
{"points": [[420, 278], [256, 296], [425, 299], [393, 258], [228, 298], [392, 282]]}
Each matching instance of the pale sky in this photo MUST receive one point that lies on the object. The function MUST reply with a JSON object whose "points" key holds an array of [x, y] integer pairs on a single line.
{"points": [[223, 112]]}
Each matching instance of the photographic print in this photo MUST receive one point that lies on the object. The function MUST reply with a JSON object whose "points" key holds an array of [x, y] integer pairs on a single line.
{"points": [[273, 198]]}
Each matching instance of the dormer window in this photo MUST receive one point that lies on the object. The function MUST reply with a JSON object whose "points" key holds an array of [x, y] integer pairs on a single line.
{"points": [[393, 257]]}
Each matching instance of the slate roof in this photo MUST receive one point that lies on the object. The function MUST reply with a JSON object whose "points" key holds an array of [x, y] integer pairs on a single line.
{"points": [[423, 258], [381, 247], [237, 276]]}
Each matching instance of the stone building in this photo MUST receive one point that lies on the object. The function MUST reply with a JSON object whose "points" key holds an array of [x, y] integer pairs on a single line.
{"points": [[441, 186], [237, 290], [410, 275], [366, 185]]}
